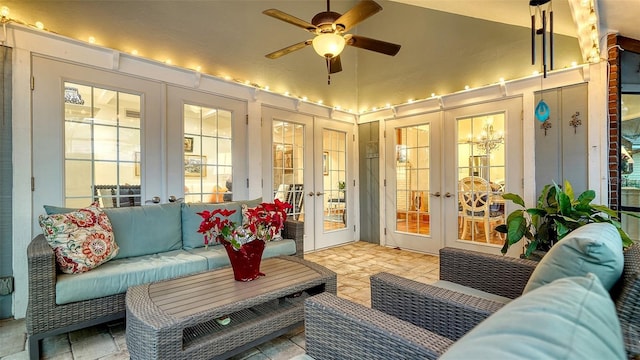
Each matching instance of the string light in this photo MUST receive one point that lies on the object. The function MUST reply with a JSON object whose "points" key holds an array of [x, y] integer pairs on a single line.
{"points": [[593, 56]]}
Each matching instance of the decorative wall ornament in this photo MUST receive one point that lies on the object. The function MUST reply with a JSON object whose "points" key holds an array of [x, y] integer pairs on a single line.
{"points": [[575, 121], [545, 126]]}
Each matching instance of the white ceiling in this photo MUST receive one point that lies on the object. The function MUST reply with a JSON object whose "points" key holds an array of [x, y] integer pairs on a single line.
{"points": [[446, 44]]}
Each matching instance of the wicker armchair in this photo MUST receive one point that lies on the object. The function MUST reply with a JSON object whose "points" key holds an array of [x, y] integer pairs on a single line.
{"points": [[338, 329], [412, 320], [452, 314]]}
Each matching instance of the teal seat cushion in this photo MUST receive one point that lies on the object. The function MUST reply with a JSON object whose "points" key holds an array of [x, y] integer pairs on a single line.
{"points": [[217, 256], [116, 276], [191, 238], [142, 230], [570, 318], [594, 248]]}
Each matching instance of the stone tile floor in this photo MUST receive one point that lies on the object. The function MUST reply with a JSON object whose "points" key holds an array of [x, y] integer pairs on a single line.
{"points": [[353, 263]]}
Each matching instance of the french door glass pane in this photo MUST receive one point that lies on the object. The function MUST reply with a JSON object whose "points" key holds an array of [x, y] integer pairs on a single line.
{"points": [[207, 154], [288, 150], [481, 177], [412, 145], [102, 146], [334, 170]]}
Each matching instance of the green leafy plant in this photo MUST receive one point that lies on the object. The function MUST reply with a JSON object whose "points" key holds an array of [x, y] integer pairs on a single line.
{"points": [[557, 213]]}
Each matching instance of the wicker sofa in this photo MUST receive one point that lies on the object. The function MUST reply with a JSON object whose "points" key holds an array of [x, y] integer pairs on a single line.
{"points": [[59, 302], [416, 320]]}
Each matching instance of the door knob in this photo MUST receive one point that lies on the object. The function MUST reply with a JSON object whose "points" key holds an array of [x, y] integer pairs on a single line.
{"points": [[155, 200], [448, 194], [436, 194], [319, 193], [311, 193]]}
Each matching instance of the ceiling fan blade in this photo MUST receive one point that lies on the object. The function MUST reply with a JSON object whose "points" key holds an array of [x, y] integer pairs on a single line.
{"points": [[290, 19], [366, 43], [356, 14], [335, 65], [288, 49]]}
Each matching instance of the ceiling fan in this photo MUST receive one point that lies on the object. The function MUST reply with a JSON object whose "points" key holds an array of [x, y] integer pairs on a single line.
{"points": [[330, 28]]}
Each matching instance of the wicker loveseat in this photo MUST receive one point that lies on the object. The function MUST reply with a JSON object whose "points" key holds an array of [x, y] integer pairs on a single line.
{"points": [[416, 320], [156, 242]]}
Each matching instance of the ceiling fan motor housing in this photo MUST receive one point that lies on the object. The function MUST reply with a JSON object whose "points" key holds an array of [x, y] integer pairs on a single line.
{"points": [[324, 21]]}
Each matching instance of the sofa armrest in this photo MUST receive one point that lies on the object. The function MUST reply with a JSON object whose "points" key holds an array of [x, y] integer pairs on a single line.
{"points": [[336, 328], [294, 229], [496, 274], [448, 313], [42, 280]]}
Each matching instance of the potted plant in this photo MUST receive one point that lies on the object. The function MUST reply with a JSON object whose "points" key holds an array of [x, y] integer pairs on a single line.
{"points": [[557, 213], [244, 243]]}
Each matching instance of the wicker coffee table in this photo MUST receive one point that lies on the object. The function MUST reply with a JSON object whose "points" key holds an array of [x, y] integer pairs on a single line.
{"points": [[175, 319]]}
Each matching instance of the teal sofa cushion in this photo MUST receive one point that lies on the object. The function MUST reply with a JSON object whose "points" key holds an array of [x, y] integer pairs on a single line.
{"points": [[570, 318], [217, 256], [594, 248], [191, 238], [116, 276], [141, 230]]}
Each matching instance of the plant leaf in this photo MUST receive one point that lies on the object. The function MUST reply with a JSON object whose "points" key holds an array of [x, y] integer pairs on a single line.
{"points": [[586, 197], [564, 203], [568, 190], [606, 210], [517, 228], [515, 198]]}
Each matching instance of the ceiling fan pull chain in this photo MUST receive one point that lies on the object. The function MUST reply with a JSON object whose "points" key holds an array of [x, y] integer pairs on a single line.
{"points": [[328, 70]]}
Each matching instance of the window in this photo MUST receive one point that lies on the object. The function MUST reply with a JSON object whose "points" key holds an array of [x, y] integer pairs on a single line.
{"points": [[207, 154], [412, 179], [102, 146], [481, 177]]}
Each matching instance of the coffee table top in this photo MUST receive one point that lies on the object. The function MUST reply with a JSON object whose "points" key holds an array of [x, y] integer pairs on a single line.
{"points": [[215, 293]]}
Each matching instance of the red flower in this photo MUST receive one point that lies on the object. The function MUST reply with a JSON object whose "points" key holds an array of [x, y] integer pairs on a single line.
{"points": [[264, 222]]}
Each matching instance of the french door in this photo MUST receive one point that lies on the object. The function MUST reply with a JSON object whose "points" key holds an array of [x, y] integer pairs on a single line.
{"points": [[483, 147], [445, 173], [413, 193], [100, 135], [307, 163], [108, 119]]}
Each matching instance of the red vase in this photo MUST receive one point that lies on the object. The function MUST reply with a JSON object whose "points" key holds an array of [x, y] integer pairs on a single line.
{"points": [[246, 261]]}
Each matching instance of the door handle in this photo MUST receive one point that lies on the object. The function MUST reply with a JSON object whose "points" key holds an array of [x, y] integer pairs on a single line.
{"points": [[436, 194], [319, 193], [448, 194], [155, 200], [311, 193]]}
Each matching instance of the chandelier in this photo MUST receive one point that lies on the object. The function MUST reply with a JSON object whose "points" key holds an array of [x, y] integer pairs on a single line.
{"points": [[489, 139]]}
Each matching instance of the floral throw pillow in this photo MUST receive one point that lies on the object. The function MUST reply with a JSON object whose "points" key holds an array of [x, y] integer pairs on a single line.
{"points": [[245, 221], [81, 239]]}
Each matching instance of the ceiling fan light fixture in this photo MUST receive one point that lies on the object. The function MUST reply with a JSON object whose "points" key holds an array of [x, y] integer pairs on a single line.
{"points": [[328, 45]]}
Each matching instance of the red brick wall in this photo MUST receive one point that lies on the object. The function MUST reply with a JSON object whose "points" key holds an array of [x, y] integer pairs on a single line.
{"points": [[614, 97]]}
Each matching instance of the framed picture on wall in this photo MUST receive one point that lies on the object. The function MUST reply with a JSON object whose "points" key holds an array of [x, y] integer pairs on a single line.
{"points": [[283, 158], [325, 163], [194, 166], [188, 144]]}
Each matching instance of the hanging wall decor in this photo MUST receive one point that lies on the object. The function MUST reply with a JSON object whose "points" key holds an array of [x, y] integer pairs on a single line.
{"points": [[545, 126], [539, 10], [575, 121]]}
